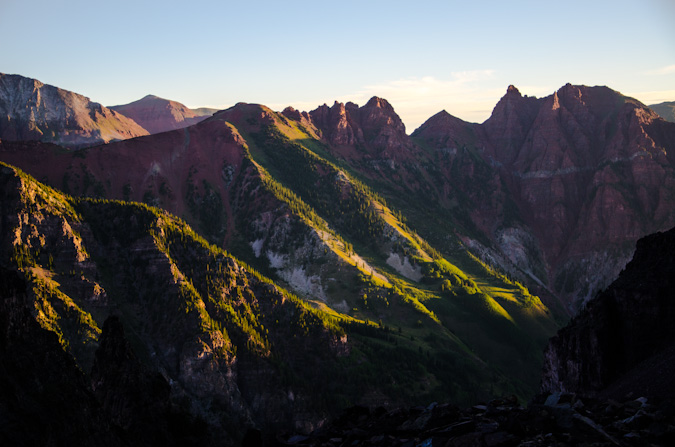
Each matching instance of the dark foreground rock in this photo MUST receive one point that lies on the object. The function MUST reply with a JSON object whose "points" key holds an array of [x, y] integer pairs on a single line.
{"points": [[554, 420], [624, 340]]}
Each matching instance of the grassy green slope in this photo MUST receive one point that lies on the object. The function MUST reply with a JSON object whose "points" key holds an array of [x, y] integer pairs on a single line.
{"points": [[174, 292], [457, 299]]}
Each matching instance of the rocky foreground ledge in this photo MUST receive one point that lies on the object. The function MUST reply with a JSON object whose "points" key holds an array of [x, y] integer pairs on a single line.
{"points": [[553, 420]]}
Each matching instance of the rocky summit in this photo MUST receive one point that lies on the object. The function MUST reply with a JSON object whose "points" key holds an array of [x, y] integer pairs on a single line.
{"points": [[31, 110], [157, 114]]}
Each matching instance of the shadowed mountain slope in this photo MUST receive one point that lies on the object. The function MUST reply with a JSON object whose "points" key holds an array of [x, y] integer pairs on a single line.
{"points": [[433, 234], [623, 341], [202, 344]]}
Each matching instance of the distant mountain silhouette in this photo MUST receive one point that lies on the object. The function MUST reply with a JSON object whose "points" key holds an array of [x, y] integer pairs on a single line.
{"points": [[159, 115]]}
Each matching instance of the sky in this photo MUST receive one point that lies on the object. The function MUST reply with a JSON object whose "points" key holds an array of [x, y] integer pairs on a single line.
{"points": [[422, 56]]}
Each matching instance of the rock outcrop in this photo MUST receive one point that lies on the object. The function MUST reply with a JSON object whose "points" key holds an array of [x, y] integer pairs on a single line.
{"points": [[157, 114], [31, 110], [624, 339], [375, 129]]}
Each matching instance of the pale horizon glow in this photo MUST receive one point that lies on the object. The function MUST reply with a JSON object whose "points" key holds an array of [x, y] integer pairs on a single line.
{"points": [[422, 58]]}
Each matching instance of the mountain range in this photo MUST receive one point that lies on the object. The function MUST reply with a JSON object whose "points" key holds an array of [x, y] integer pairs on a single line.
{"points": [[456, 251], [666, 110], [547, 217]]}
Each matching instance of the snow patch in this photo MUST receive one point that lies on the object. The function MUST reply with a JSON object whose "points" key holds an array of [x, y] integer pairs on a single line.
{"points": [[404, 267], [277, 260], [300, 281], [296, 276], [342, 306], [510, 242], [257, 247]]}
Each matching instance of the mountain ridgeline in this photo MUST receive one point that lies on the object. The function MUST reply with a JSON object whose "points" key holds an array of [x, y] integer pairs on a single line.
{"points": [[402, 268], [31, 110], [157, 114], [666, 110]]}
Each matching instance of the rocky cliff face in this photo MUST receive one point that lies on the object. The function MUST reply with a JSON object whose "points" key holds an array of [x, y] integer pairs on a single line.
{"points": [[157, 114], [375, 129], [588, 172], [31, 110], [623, 340]]}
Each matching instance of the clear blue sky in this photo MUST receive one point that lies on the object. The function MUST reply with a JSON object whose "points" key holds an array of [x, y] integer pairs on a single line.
{"points": [[422, 56]]}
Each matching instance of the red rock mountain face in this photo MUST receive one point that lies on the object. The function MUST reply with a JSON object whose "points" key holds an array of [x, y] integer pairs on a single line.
{"points": [[375, 129], [163, 169], [555, 191], [160, 115], [589, 171], [31, 110]]}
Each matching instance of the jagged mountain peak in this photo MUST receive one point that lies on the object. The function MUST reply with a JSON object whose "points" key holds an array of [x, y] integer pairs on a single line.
{"points": [[443, 117], [512, 90], [378, 112], [380, 103], [600, 100], [292, 113], [375, 127]]}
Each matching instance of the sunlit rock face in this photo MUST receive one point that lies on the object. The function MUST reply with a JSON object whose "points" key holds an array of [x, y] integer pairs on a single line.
{"points": [[375, 129], [31, 110]]}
